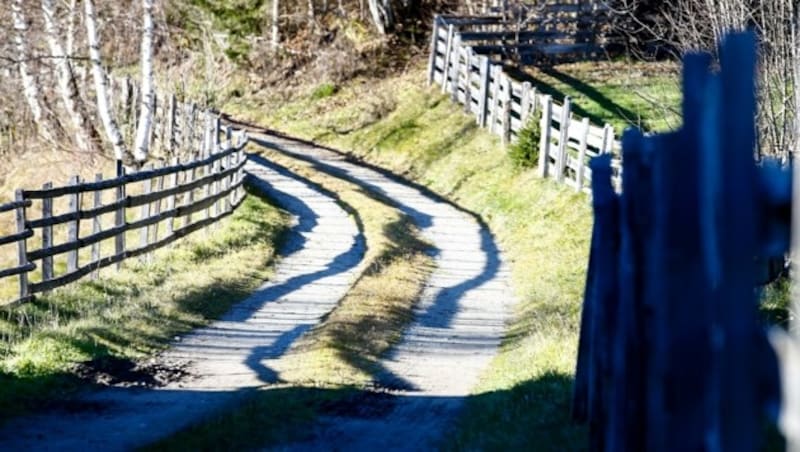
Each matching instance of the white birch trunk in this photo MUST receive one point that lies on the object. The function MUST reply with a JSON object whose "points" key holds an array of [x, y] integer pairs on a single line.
{"points": [[276, 36], [30, 86], [70, 46], [311, 13], [142, 141], [99, 76], [374, 10], [86, 136]]}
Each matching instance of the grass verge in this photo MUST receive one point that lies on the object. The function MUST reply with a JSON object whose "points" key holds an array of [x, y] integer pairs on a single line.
{"points": [[135, 312], [621, 93], [544, 229], [336, 360]]}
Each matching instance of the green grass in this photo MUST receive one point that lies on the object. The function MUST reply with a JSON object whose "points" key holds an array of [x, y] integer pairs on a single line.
{"points": [[621, 93], [523, 398], [324, 90], [133, 313]]}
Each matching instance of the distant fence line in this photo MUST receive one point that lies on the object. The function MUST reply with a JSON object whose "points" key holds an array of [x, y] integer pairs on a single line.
{"points": [[199, 191], [467, 68], [180, 128]]}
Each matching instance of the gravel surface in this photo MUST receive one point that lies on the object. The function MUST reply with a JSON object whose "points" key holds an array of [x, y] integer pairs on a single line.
{"points": [[459, 322], [423, 381]]}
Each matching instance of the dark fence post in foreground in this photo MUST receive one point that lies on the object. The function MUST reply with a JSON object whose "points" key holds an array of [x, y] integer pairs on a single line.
{"points": [[672, 355]]}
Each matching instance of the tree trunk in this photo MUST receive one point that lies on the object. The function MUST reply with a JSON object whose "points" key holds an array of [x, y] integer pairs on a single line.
{"points": [[142, 142], [276, 32], [311, 14], [73, 8], [101, 89], [30, 85], [382, 15], [86, 136]]}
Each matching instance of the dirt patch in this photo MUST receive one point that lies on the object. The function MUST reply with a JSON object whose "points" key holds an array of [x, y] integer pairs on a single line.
{"points": [[123, 372]]}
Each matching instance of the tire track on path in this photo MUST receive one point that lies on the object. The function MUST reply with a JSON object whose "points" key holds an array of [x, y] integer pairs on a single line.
{"points": [[459, 323], [321, 258]]}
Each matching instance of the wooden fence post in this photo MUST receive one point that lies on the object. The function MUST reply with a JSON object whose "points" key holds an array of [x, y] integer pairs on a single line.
{"points": [[456, 68], [173, 182], [216, 132], [96, 224], [172, 118], [562, 140], [187, 137], [22, 246], [525, 104], [497, 73], [144, 213], [155, 138], [216, 168], [434, 45], [227, 183], [47, 235], [581, 170], [207, 169], [157, 203], [608, 138], [73, 227], [545, 129], [119, 220], [483, 99], [468, 85], [190, 176], [448, 52], [507, 98]]}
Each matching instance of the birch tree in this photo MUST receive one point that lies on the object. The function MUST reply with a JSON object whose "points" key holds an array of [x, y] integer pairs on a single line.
{"points": [[142, 143], [100, 84], [86, 136], [382, 15], [276, 37], [30, 85]]}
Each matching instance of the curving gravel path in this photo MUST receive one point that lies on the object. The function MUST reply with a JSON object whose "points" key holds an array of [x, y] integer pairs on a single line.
{"points": [[424, 381], [320, 261], [459, 321]]}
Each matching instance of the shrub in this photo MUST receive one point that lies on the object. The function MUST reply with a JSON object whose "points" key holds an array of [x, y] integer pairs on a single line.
{"points": [[525, 152], [324, 90]]}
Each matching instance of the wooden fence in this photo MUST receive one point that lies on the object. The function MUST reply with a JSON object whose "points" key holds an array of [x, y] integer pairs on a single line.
{"points": [[504, 104], [160, 204], [673, 354]]}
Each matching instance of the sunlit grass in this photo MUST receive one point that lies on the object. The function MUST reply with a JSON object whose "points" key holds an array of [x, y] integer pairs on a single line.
{"points": [[137, 311]]}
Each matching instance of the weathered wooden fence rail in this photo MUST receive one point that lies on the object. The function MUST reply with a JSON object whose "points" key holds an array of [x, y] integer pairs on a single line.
{"points": [[476, 78], [672, 353], [163, 203]]}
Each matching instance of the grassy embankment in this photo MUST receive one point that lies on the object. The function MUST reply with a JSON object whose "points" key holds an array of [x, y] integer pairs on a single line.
{"points": [[523, 400], [337, 359], [135, 312]]}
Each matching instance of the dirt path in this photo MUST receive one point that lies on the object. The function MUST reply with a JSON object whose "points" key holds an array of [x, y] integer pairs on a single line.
{"points": [[320, 260], [458, 326]]}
